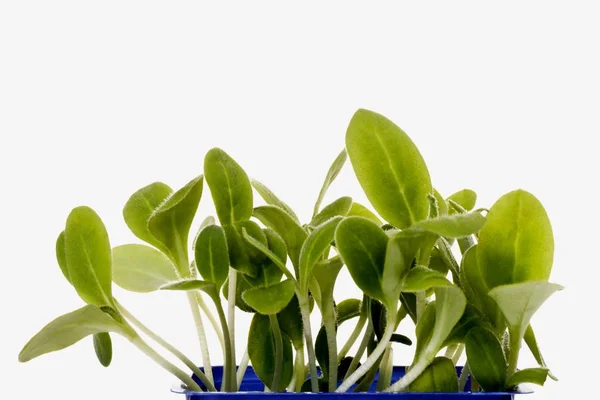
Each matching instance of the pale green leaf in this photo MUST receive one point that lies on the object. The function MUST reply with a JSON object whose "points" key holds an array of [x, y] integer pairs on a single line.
{"points": [[271, 299], [530, 375], [270, 198], [441, 203], [187, 285], [339, 207], [334, 171], [140, 268], [486, 359], [421, 278], [211, 255], [61, 257], [326, 273], [466, 198], [531, 342], [313, 248], [453, 226], [358, 210]]}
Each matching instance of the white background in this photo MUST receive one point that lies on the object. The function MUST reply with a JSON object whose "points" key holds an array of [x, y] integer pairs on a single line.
{"points": [[100, 98]]}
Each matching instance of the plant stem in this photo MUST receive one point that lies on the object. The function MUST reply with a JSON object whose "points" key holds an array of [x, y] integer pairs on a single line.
{"points": [[229, 373], [385, 369], [231, 314], [331, 333], [421, 303], [211, 319], [167, 346], [515, 348], [299, 371], [160, 360], [365, 340], [242, 368], [305, 311], [412, 374], [448, 257], [379, 349], [450, 350], [278, 352], [353, 337], [464, 375], [459, 351], [201, 336]]}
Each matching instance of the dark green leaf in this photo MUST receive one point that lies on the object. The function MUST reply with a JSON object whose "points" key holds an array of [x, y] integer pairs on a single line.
{"points": [[269, 197], [333, 172], [439, 376], [261, 350], [358, 210], [389, 168], [452, 226], [421, 278], [290, 322], [530, 375], [348, 309], [88, 256], [362, 245], [170, 222], [466, 198], [140, 268], [270, 300], [276, 257], [313, 248], [322, 351], [471, 318], [486, 359], [69, 329], [338, 208], [103, 348], [398, 338], [243, 256], [211, 255], [139, 208], [229, 186]]}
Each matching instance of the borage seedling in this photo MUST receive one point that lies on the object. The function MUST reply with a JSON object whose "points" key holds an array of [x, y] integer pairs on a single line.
{"points": [[404, 265]]}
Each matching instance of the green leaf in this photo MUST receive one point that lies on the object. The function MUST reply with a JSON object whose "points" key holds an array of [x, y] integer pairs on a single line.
{"points": [[486, 359], [398, 338], [269, 271], [61, 257], [348, 309], [389, 168], [290, 322], [325, 274], [229, 186], [322, 351], [453, 226], [421, 278], [470, 319], [244, 257], [466, 198], [211, 255], [271, 299], [362, 245], [516, 243], [103, 348], [520, 301], [69, 329], [139, 208], [530, 375], [358, 210], [269, 197], [193, 284], [292, 233], [313, 248], [271, 255], [531, 342], [441, 203], [334, 171], [340, 207], [88, 256], [439, 376], [140, 268], [170, 222], [241, 286], [261, 350], [424, 329]]}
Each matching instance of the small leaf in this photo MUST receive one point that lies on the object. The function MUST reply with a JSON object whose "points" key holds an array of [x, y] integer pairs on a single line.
{"points": [[241, 286], [516, 244], [322, 351], [466, 198], [261, 350], [325, 274], [103, 348], [358, 210], [398, 338], [531, 342], [271, 255], [69, 329], [362, 245], [338, 208], [439, 376], [520, 301], [389, 168], [229, 186], [486, 359], [61, 257], [192, 284], [140, 207], [269, 271], [140, 268], [470, 319], [441, 203], [244, 257], [530, 375], [313, 248], [269, 197], [170, 222], [270, 300], [348, 309], [292, 233], [211, 255], [290, 322], [424, 329], [88, 256], [453, 226], [334, 171], [421, 278]]}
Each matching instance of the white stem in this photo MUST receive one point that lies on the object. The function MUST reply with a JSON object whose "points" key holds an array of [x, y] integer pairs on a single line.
{"points": [[231, 310], [211, 318], [412, 374], [353, 337], [305, 312], [201, 336], [242, 368], [464, 375]]}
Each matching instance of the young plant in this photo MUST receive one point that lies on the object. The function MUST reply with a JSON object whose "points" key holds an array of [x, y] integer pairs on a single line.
{"points": [[263, 260]]}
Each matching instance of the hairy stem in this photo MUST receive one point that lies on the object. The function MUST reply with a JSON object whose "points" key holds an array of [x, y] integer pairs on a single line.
{"points": [[421, 303], [160, 360], [231, 314], [464, 375], [201, 336], [365, 340], [242, 368], [312, 359], [412, 374], [299, 371], [229, 374], [277, 338], [167, 346], [332, 348], [385, 370], [353, 337], [211, 318], [515, 348]]}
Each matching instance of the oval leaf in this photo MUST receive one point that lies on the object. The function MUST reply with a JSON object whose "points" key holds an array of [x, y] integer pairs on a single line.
{"points": [[348, 309], [334, 171], [229, 186], [466, 198], [486, 359], [389, 168], [269, 197], [270, 300], [88, 255], [362, 245], [170, 222], [140, 268], [290, 322], [313, 248], [529, 375], [269, 271], [103, 348], [421, 278], [453, 226], [61, 257], [439, 376], [516, 244], [244, 257], [211, 255], [70, 328], [340, 207]]}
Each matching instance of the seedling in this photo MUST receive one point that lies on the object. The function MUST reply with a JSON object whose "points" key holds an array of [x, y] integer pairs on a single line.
{"points": [[263, 260]]}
